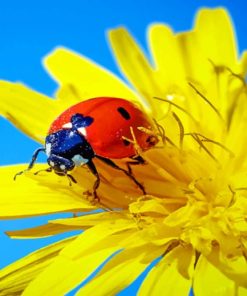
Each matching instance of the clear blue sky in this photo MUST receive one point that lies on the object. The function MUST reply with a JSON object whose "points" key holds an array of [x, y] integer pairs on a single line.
{"points": [[30, 29]]}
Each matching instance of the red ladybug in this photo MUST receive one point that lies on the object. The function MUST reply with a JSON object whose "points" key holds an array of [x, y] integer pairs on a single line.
{"points": [[96, 128]]}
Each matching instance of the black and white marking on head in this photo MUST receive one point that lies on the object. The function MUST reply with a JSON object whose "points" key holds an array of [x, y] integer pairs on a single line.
{"points": [[48, 149], [79, 160], [125, 114]]}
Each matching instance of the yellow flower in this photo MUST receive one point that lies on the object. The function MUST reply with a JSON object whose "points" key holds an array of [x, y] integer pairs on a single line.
{"points": [[194, 217]]}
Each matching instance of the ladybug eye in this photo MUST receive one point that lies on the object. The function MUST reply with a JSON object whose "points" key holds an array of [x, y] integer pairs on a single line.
{"points": [[125, 114]]}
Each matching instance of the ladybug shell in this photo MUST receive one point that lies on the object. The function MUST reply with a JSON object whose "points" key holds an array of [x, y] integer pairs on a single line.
{"points": [[112, 119]]}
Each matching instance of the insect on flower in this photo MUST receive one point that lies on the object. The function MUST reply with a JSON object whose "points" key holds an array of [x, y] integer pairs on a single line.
{"points": [[96, 128]]}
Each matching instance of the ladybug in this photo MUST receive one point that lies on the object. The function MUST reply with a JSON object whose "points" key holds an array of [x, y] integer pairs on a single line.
{"points": [[96, 128]]}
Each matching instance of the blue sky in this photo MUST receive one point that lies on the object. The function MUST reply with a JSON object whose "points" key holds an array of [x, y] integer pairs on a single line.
{"points": [[31, 29]]}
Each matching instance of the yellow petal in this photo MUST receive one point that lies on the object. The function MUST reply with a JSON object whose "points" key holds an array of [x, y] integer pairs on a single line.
{"points": [[105, 219], [65, 274], [209, 281], [83, 78], [241, 291], [57, 226], [216, 37], [235, 140], [244, 63], [120, 271], [192, 54], [202, 98], [90, 239], [136, 68], [148, 206], [167, 58], [78, 260], [37, 195], [97, 218], [177, 58], [41, 231], [170, 72], [165, 276], [15, 277], [234, 268], [25, 108]]}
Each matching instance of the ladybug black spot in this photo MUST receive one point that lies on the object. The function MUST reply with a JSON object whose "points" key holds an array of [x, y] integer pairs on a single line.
{"points": [[126, 143], [124, 113], [151, 140]]}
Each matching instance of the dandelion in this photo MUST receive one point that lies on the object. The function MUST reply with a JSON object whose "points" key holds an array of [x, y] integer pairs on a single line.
{"points": [[192, 221]]}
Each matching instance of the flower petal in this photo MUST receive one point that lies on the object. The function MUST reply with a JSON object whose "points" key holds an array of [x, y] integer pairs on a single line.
{"points": [[148, 206], [76, 223], [136, 67], [69, 273], [216, 283], [15, 277], [234, 268], [192, 55], [214, 25], [165, 276], [83, 78], [244, 63], [167, 58], [98, 218], [41, 231], [38, 194], [78, 260], [25, 108], [121, 271]]}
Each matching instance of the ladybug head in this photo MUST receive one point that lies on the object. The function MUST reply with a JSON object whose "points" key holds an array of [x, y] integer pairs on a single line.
{"points": [[60, 165]]}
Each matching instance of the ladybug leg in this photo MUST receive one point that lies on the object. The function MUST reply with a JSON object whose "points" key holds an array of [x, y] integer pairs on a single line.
{"points": [[127, 173], [71, 179], [136, 160], [94, 171], [31, 164]]}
